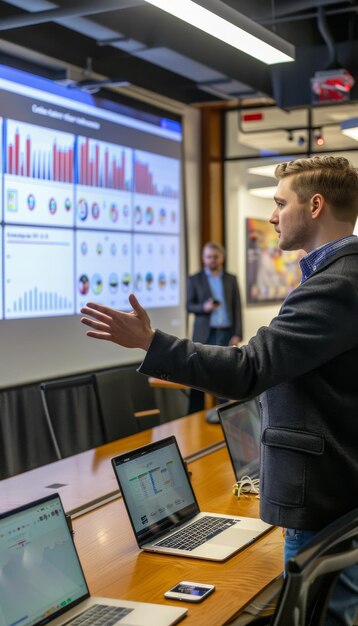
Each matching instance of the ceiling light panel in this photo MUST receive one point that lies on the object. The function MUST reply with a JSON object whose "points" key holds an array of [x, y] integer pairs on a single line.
{"points": [[231, 27]]}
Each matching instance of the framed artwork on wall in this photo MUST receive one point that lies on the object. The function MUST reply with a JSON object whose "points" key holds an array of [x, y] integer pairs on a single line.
{"points": [[271, 274]]}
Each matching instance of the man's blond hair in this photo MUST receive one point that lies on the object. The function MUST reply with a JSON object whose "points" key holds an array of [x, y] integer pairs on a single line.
{"points": [[334, 178]]}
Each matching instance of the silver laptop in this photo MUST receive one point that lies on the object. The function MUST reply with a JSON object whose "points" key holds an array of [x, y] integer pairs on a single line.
{"points": [[164, 512], [241, 424], [42, 579]]}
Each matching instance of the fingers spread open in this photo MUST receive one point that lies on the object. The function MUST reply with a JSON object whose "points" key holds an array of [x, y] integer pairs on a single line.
{"points": [[98, 315], [97, 325]]}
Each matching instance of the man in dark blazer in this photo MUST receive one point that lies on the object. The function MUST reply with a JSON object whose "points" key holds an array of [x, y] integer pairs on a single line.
{"points": [[303, 364], [213, 296]]}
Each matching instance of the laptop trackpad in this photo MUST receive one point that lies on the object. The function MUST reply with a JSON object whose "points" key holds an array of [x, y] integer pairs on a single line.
{"points": [[234, 537]]}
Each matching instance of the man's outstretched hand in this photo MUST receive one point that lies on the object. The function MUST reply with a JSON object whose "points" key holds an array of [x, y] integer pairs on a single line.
{"points": [[131, 330]]}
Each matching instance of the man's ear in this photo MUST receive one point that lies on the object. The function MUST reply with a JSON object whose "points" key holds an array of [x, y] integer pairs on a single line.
{"points": [[317, 205]]}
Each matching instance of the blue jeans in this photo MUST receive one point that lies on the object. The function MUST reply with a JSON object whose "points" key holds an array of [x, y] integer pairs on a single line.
{"points": [[343, 604]]}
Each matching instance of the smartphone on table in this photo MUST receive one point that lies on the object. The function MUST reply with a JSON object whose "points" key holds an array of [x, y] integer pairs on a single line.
{"points": [[189, 591]]}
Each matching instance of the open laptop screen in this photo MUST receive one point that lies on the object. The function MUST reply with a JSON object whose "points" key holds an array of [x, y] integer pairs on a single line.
{"points": [[155, 488], [241, 424], [40, 573]]}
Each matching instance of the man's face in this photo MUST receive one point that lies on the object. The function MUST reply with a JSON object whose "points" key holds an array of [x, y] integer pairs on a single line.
{"points": [[292, 219], [213, 259]]}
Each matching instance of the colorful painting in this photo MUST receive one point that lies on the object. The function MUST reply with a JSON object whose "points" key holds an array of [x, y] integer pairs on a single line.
{"points": [[271, 274]]}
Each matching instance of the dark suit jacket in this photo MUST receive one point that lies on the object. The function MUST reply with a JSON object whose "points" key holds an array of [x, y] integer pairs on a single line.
{"points": [[198, 290], [305, 366]]}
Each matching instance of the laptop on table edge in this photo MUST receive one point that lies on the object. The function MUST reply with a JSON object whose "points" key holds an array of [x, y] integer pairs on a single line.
{"points": [[241, 425], [42, 580], [160, 502]]}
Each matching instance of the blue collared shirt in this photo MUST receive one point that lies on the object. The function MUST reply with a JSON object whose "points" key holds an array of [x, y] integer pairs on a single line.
{"points": [[311, 262], [219, 318]]}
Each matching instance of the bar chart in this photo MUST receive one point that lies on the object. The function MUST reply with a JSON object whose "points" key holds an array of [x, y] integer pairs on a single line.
{"points": [[102, 164], [39, 267], [36, 152], [156, 175]]}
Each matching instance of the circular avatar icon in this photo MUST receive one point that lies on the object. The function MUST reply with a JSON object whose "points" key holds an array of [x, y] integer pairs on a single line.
{"points": [[95, 210], [138, 215], [83, 284], [113, 213], [138, 282], [125, 249], [84, 248], [68, 204], [149, 280], [113, 249], [113, 282], [52, 206], [162, 215], [31, 203], [149, 215], [99, 248], [96, 284], [125, 211], [162, 280], [82, 209], [173, 280], [126, 279], [174, 216]]}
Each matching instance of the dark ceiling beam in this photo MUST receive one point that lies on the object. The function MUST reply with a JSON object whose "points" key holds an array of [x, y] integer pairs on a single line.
{"points": [[78, 8], [290, 7], [73, 48]]}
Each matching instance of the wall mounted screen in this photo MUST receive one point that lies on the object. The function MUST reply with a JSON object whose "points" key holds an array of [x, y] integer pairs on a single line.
{"points": [[91, 211]]}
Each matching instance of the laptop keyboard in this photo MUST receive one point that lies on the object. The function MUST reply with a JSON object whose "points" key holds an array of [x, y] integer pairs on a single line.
{"points": [[100, 615], [197, 533]]}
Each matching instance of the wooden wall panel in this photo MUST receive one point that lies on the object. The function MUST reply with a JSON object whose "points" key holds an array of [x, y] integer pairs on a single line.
{"points": [[212, 183]]}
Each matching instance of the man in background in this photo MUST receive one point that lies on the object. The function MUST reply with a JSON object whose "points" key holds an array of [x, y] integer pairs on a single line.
{"points": [[213, 296]]}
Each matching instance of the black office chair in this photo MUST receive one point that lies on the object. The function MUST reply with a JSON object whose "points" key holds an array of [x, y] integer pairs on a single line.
{"points": [[25, 441], [312, 575], [73, 414], [146, 411], [115, 396]]}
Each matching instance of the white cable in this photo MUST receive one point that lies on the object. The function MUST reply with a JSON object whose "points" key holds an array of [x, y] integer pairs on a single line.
{"points": [[247, 485]]}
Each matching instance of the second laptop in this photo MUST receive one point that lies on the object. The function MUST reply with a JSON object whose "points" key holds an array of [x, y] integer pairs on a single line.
{"points": [[164, 512]]}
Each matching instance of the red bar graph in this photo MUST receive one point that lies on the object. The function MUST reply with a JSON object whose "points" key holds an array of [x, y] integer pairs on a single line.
{"points": [[26, 156], [102, 165], [144, 182]]}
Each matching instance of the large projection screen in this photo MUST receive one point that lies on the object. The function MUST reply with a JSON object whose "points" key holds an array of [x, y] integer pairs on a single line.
{"points": [[91, 210]]}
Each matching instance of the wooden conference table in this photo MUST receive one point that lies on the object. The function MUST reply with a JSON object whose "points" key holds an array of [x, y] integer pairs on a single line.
{"points": [[87, 479], [115, 567], [112, 562]]}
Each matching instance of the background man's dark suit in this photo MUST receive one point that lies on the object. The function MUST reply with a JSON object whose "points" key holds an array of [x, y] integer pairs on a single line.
{"points": [[198, 291]]}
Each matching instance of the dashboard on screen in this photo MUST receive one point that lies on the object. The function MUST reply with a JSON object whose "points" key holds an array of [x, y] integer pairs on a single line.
{"points": [[89, 211], [91, 203]]}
